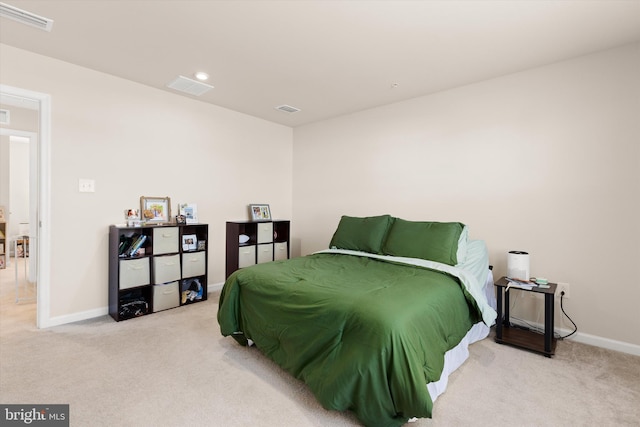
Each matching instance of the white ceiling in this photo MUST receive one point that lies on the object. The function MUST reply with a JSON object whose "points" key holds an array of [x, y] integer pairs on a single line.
{"points": [[327, 58]]}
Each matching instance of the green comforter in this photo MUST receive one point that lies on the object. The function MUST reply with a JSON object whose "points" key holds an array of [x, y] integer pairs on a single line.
{"points": [[363, 334]]}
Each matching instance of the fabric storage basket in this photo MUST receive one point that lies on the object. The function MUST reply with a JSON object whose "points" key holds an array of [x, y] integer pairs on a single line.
{"points": [[165, 296], [246, 256], [166, 268], [265, 253], [280, 251], [165, 240], [193, 264], [134, 272], [265, 232]]}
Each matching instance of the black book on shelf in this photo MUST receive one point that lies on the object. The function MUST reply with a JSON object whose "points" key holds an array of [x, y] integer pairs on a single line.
{"points": [[125, 244]]}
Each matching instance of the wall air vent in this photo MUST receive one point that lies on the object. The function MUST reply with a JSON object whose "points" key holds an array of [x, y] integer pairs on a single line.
{"points": [[287, 108], [12, 12], [190, 86], [5, 117]]}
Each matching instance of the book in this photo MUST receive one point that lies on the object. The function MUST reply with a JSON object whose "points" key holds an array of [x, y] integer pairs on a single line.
{"points": [[136, 245], [124, 245]]}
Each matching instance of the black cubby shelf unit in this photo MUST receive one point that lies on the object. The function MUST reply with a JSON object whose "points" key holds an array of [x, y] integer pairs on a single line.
{"points": [[156, 267], [255, 242]]}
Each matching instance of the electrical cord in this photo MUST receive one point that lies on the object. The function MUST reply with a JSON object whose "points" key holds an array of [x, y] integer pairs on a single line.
{"points": [[567, 316], [538, 330]]}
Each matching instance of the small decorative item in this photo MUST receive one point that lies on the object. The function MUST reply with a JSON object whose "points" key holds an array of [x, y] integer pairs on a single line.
{"points": [[133, 217], [181, 219], [259, 212], [202, 245], [190, 211], [189, 242], [2, 218], [155, 209]]}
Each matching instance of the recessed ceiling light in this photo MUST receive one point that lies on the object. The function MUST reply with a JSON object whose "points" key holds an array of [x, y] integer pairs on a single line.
{"points": [[202, 76]]}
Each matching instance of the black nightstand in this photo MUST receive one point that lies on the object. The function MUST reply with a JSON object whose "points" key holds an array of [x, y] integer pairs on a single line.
{"points": [[544, 344]]}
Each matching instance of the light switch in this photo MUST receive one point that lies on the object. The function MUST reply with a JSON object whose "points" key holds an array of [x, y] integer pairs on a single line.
{"points": [[86, 185]]}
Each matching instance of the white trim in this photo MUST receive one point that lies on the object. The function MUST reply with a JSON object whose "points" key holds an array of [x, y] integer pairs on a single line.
{"points": [[76, 317], [597, 341], [44, 201], [215, 286]]}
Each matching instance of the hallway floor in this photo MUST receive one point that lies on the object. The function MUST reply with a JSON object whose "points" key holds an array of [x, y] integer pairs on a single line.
{"points": [[21, 315]]}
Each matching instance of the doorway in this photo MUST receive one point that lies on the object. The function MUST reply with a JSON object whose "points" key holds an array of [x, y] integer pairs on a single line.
{"points": [[39, 191]]}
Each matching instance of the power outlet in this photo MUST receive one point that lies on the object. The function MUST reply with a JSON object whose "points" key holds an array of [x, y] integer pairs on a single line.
{"points": [[86, 185], [563, 287]]}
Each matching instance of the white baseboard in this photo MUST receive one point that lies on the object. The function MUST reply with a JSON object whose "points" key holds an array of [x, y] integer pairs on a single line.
{"points": [[75, 317], [90, 314], [215, 286], [597, 341]]}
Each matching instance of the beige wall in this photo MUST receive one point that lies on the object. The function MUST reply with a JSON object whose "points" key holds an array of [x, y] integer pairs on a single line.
{"points": [[546, 160], [134, 141]]}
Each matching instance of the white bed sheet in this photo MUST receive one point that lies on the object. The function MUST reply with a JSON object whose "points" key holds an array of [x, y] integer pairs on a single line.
{"points": [[455, 357]]}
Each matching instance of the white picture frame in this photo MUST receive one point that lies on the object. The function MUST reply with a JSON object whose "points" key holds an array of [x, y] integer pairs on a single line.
{"points": [[189, 211], [189, 242]]}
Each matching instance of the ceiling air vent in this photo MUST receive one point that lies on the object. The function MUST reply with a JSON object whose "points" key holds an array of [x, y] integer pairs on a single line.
{"points": [[25, 17], [190, 86], [5, 116], [287, 108]]}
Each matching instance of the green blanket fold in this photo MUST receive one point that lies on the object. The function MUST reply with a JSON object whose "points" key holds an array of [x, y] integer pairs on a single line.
{"points": [[363, 334]]}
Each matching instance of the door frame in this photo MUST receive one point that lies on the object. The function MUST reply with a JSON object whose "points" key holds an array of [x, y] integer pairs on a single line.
{"points": [[43, 226]]}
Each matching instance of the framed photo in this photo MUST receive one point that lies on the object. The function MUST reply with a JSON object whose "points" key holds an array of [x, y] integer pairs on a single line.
{"points": [[131, 214], [189, 242], [155, 209], [259, 212], [181, 219], [189, 211]]}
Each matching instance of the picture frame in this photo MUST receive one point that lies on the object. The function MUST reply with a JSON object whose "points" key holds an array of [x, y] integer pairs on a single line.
{"points": [[155, 209], [189, 211], [259, 212], [181, 219], [189, 242]]}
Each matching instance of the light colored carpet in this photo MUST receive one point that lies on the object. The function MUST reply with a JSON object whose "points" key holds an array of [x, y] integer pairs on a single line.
{"points": [[175, 369]]}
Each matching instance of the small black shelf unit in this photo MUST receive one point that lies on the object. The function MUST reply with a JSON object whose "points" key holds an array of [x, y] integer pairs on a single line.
{"points": [[255, 242], [168, 270]]}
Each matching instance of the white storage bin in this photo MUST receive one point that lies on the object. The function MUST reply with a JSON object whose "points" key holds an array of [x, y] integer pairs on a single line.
{"points": [[265, 253], [246, 256], [280, 251], [193, 264], [134, 272], [166, 296], [166, 268], [265, 232], [165, 240]]}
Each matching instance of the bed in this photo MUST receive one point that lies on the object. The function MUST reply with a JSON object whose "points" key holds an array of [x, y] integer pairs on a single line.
{"points": [[374, 324]]}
